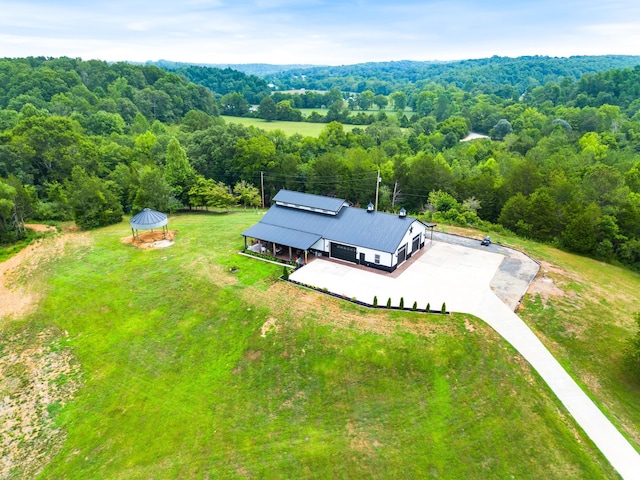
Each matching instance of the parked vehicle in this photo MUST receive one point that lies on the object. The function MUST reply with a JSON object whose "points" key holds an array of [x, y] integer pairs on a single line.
{"points": [[486, 241]]}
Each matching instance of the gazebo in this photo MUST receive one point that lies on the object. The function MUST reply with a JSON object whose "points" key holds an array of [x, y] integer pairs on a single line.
{"points": [[149, 219]]}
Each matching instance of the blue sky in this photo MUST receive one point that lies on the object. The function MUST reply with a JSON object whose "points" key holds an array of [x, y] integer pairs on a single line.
{"points": [[316, 31]]}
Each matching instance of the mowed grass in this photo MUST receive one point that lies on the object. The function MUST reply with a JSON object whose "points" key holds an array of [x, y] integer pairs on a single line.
{"points": [[305, 129], [181, 379]]}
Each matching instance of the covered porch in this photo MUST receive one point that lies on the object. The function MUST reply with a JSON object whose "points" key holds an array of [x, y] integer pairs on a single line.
{"points": [[282, 243]]}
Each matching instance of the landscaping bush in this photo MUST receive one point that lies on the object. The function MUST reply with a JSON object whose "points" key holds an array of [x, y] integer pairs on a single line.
{"points": [[444, 308], [389, 303], [375, 301], [285, 273], [401, 302], [415, 306]]}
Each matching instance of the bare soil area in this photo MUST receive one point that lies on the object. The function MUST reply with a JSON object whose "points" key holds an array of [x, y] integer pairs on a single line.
{"points": [[38, 374], [151, 239], [37, 378], [38, 227], [546, 283], [16, 274]]}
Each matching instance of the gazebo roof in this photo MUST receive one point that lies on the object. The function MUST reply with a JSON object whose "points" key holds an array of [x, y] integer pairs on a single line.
{"points": [[148, 219]]}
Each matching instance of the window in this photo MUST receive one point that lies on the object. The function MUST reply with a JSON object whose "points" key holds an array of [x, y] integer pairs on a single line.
{"points": [[377, 258]]}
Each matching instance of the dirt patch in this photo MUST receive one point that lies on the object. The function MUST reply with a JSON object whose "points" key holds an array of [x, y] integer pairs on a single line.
{"points": [[546, 283], [151, 239], [269, 325], [38, 376], [17, 290], [469, 326], [38, 227], [360, 439]]}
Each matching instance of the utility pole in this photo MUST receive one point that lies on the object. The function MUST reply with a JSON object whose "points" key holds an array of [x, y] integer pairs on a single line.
{"points": [[262, 187], [393, 197], [378, 179]]}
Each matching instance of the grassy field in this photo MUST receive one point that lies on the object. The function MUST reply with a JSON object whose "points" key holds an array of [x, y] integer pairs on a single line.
{"points": [[289, 128], [187, 370]]}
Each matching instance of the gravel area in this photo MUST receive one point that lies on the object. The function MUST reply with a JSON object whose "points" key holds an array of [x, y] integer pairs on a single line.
{"points": [[514, 275]]}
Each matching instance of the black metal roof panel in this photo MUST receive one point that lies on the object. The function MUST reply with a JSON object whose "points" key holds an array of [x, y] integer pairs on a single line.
{"points": [[308, 201], [353, 226], [281, 235]]}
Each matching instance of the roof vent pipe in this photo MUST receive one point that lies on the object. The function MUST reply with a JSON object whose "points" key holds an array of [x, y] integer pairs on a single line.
{"points": [[403, 213], [370, 207]]}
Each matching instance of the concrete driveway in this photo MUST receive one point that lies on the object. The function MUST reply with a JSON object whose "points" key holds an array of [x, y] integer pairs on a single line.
{"points": [[486, 283], [444, 273]]}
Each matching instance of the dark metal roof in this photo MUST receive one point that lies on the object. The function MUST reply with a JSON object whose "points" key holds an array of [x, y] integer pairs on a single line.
{"points": [[309, 201], [354, 226], [281, 235], [148, 219]]}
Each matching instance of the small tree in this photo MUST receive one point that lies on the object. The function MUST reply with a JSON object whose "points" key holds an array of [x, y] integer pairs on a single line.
{"points": [[428, 307], [389, 303], [401, 302], [632, 350], [93, 200], [285, 273], [247, 194], [375, 300], [153, 190], [267, 109], [444, 308], [415, 306]]}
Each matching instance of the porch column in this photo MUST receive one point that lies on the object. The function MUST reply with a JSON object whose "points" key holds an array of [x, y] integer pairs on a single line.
{"points": [[290, 254]]}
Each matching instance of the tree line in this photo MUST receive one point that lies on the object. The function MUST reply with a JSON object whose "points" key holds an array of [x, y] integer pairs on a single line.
{"points": [[504, 76]]}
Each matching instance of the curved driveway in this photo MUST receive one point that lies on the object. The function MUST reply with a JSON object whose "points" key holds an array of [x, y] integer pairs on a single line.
{"points": [[487, 283]]}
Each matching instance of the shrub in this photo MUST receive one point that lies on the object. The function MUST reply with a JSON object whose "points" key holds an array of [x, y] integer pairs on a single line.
{"points": [[415, 306], [401, 302], [389, 303], [444, 308], [285, 273], [428, 307], [375, 301]]}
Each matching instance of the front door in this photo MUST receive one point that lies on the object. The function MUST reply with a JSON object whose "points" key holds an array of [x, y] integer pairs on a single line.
{"points": [[402, 254], [362, 261], [416, 243]]}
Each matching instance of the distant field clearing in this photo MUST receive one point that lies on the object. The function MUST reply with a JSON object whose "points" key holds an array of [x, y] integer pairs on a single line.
{"points": [[290, 128]]}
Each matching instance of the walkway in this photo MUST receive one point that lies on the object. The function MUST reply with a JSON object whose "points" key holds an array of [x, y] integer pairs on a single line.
{"points": [[469, 280]]}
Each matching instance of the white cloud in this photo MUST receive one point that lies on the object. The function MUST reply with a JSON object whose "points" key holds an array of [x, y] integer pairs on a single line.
{"points": [[318, 31]]}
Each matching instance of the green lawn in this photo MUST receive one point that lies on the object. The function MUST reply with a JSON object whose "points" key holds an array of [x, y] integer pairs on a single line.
{"points": [[289, 128], [181, 379]]}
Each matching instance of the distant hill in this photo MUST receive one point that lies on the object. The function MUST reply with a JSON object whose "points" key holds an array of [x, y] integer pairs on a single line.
{"points": [[257, 69], [488, 75]]}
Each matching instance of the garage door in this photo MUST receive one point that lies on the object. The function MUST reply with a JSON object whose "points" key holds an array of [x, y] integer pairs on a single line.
{"points": [[343, 252]]}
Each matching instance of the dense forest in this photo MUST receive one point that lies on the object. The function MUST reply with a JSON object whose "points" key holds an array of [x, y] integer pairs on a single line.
{"points": [[90, 141]]}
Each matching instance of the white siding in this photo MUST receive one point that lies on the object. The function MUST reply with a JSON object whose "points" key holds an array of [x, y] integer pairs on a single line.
{"points": [[418, 228], [386, 259], [321, 245]]}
